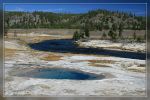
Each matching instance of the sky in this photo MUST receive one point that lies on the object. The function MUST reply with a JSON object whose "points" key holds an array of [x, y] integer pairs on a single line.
{"points": [[73, 1], [137, 9]]}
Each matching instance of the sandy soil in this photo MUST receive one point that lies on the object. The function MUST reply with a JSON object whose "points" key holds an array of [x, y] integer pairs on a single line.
{"points": [[107, 44]]}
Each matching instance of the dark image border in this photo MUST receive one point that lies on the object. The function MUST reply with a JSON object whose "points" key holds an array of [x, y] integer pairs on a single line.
{"points": [[75, 98]]}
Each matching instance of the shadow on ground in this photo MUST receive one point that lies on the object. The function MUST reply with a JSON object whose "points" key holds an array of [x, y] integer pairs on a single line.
{"points": [[68, 46]]}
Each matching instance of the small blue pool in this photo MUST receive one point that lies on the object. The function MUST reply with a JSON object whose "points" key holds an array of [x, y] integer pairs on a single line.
{"points": [[60, 73]]}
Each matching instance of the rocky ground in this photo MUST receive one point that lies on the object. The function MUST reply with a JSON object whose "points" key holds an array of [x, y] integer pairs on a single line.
{"points": [[124, 76], [107, 44]]}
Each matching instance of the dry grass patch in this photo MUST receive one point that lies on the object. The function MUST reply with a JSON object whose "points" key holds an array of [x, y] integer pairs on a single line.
{"points": [[142, 65], [51, 57], [36, 39], [9, 52], [137, 69], [1, 97], [41, 38]]}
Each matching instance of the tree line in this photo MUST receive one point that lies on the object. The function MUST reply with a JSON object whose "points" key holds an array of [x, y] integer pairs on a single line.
{"points": [[114, 34], [96, 20]]}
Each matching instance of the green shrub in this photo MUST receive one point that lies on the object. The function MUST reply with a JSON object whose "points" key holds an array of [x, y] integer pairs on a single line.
{"points": [[112, 35], [87, 33], [139, 39], [76, 35]]}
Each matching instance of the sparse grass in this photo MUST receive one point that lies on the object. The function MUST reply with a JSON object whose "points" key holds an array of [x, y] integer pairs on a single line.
{"points": [[102, 61], [79, 54], [33, 39], [142, 65], [98, 65], [51, 57], [136, 69]]}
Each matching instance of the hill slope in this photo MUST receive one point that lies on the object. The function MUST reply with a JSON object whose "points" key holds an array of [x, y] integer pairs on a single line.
{"points": [[95, 20]]}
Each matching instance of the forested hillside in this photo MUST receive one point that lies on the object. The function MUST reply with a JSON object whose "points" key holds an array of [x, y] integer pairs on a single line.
{"points": [[94, 20]]}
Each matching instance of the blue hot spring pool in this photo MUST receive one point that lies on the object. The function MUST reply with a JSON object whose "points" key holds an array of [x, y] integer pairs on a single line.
{"points": [[59, 73]]}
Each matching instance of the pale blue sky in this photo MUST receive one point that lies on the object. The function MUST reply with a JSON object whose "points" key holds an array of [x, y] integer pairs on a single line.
{"points": [[138, 9]]}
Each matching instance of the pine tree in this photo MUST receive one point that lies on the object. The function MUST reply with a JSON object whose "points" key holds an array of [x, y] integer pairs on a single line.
{"points": [[138, 39], [120, 29], [82, 33], [114, 27], [87, 34], [112, 35], [6, 26], [76, 35]]}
